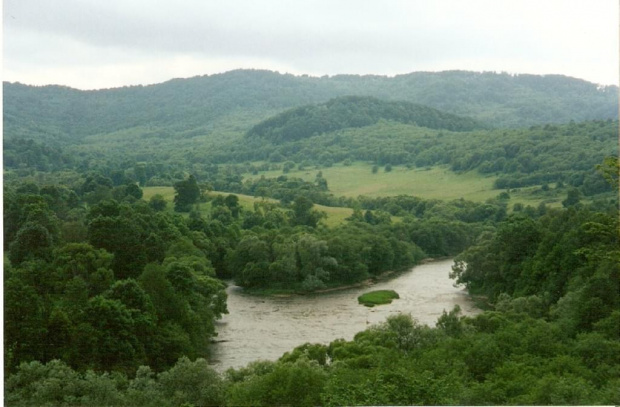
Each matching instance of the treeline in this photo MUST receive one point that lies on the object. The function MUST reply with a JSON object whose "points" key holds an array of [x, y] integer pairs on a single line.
{"points": [[307, 259], [550, 338], [353, 111], [287, 247]]}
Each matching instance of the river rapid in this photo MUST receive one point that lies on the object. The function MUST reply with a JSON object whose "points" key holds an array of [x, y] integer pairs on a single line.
{"points": [[267, 327]]}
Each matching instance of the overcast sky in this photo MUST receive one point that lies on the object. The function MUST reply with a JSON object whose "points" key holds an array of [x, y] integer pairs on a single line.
{"points": [[91, 44]]}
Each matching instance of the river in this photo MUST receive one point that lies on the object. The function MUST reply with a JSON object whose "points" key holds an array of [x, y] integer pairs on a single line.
{"points": [[266, 327]]}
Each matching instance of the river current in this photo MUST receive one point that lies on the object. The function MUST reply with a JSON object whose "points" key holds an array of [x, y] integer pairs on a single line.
{"points": [[267, 327]]}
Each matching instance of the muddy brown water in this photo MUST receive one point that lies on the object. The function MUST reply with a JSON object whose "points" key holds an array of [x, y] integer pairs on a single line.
{"points": [[264, 328]]}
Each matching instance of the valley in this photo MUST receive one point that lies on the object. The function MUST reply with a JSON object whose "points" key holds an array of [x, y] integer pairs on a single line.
{"points": [[204, 241]]}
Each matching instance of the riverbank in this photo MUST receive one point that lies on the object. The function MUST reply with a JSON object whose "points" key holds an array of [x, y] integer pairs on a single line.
{"points": [[266, 327]]}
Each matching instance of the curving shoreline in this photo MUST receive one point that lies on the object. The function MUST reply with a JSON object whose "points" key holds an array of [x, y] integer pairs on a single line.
{"points": [[267, 327], [369, 282]]}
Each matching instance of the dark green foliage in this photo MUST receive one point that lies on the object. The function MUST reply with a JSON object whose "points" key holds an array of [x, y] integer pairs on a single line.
{"points": [[303, 214], [304, 259], [192, 383], [79, 301], [55, 383], [286, 383], [186, 104], [341, 113], [158, 203], [28, 153], [187, 193], [569, 257], [572, 198]]}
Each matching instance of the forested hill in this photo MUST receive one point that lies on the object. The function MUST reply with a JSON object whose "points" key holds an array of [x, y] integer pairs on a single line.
{"points": [[249, 96], [354, 111]]}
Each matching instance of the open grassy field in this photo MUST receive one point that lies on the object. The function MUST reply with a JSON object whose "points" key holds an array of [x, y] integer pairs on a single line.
{"points": [[358, 179], [431, 183], [436, 182]]}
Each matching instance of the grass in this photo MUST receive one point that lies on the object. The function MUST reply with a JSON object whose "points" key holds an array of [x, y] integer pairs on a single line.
{"points": [[378, 297], [433, 183], [358, 179], [428, 183]]}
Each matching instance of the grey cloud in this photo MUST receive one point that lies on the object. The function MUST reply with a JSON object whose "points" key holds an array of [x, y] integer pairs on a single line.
{"points": [[315, 36]]}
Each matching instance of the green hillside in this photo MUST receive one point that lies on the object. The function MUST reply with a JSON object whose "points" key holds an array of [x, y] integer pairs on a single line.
{"points": [[201, 105], [353, 111]]}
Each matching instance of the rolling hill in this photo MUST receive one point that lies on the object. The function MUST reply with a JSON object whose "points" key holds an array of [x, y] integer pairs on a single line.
{"points": [[354, 111], [202, 105]]}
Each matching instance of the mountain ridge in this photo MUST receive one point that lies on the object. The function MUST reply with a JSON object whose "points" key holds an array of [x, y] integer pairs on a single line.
{"points": [[500, 100]]}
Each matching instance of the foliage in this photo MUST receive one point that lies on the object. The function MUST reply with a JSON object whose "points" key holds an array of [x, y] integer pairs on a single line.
{"points": [[137, 288], [186, 194], [112, 300], [352, 111], [379, 297]]}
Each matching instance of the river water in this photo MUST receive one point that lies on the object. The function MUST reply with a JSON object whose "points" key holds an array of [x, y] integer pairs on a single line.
{"points": [[265, 328]]}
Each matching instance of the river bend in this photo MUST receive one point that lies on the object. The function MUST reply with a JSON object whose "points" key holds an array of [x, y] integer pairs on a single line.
{"points": [[266, 327]]}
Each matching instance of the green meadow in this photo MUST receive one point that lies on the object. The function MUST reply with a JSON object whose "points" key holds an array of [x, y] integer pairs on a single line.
{"points": [[429, 183], [434, 183], [358, 179]]}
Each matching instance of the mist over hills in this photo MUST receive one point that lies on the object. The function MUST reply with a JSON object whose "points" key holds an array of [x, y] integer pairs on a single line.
{"points": [[58, 114]]}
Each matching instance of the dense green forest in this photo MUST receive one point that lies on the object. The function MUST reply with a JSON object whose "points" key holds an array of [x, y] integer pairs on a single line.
{"points": [[346, 112], [552, 280], [112, 298]]}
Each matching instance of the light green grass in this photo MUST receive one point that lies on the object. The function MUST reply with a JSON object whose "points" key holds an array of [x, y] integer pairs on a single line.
{"points": [[378, 297], [434, 183], [428, 183], [358, 179]]}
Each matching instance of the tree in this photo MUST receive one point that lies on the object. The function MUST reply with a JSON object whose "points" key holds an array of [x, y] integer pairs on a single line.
{"points": [[109, 336], [192, 383], [187, 193], [158, 203], [303, 214], [232, 202], [572, 198], [24, 322], [610, 169], [32, 241], [84, 261]]}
